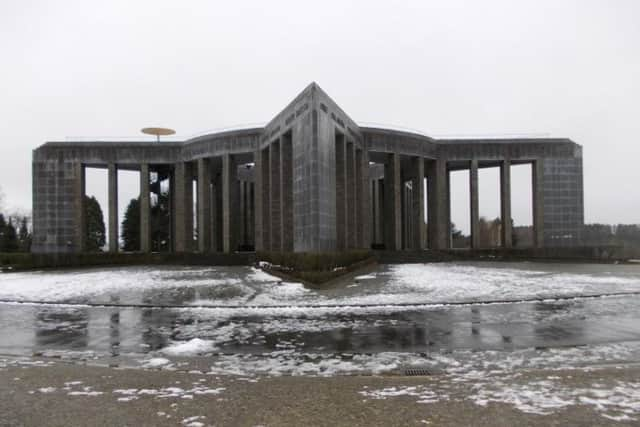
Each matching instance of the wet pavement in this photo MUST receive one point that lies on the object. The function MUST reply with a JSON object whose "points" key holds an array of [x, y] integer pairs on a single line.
{"points": [[397, 310]]}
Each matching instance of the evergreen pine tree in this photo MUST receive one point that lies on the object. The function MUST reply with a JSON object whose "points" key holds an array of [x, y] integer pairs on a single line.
{"points": [[24, 237], [10, 238], [131, 226], [3, 226], [95, 237]]}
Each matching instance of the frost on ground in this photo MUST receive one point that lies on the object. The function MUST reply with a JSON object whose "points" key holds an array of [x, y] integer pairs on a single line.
{"points": [[620, 401], [422, 393], [192, 347], [461, 363], [193, 421], [132, 285], [127, 395], [404, 283]]}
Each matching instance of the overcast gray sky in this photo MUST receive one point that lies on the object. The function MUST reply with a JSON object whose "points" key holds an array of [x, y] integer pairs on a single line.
{"points": [[108, 68]]}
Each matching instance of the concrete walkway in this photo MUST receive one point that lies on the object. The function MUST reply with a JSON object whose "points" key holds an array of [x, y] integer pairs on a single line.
{"points": [[42, 392]]}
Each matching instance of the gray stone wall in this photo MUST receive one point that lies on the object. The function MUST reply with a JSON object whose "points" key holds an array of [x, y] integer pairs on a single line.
{"points": [[55, 205], [294, 203], [563, 199]]}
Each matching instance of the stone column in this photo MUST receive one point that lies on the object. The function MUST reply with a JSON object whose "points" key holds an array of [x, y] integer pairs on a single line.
{"points": [[375, 197], [380, 209], [265, 193], [474, 204], [276, 206], [448, 211], [145, 209], [204, 205], [341, 193], [438, 211], [505, 203], [418, 203], [227, 178], [252, 213], [359, 197], [113, 207], [182, 187], [257, 200], [366, 219], [217, 217], [229, 204], [392, 203], [403, 211], [351, 199], [80, 208], [537, 172], [243, 214], [286, 192]]}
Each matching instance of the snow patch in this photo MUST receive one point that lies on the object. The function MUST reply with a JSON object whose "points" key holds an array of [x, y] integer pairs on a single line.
{"points": [[192, 347]]}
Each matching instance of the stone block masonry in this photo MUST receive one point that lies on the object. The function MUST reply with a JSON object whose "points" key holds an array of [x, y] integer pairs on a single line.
{"points": [[311, 180]]}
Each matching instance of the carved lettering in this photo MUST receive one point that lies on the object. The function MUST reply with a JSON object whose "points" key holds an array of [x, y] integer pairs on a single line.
{"points": [[289, 119], [302, 109]]}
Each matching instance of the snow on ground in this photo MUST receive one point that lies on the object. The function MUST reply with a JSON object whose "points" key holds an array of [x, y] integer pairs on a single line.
{"points": [[456, 282], [464, 364], [127, 395], [422, 393], [618, 401], [192, 347], [128, 284], [156, 362], [393, 284]]}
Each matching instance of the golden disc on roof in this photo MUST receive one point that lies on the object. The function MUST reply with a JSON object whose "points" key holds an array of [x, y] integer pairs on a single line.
{"points": [[158, 131]]}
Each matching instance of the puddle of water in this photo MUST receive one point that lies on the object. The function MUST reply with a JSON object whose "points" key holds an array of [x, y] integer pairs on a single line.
{"points": [[118, 331]]}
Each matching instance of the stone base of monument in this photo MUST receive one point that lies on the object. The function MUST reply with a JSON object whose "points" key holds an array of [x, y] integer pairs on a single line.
{"points": [[316, 269]]}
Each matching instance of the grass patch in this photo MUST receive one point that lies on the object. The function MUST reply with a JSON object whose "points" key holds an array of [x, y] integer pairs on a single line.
{"points": [[27, 261]]}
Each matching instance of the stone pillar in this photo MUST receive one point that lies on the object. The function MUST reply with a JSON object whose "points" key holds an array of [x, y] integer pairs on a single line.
{"points": [[380, 210], [537, 173], [80, 212], [145, 209], [375, 213], [403, 211], [215, 234], [204, 205], [182, 200], [392, 203], [217, 217], [418, 203], [257, 201], [252, 213], [505, 203], [276, 206], [243, 214], [229, 204], [341, 193], [366, 220], [448, 211], [265, 193], [226, 202], [438, 200], [113, 207], [360, 212], [286, 192], [474, 204], [351, 199]]}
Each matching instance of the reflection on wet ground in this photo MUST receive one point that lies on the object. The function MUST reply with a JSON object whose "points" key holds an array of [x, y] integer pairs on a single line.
{"points": [[114, 331], [31, 328]]}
